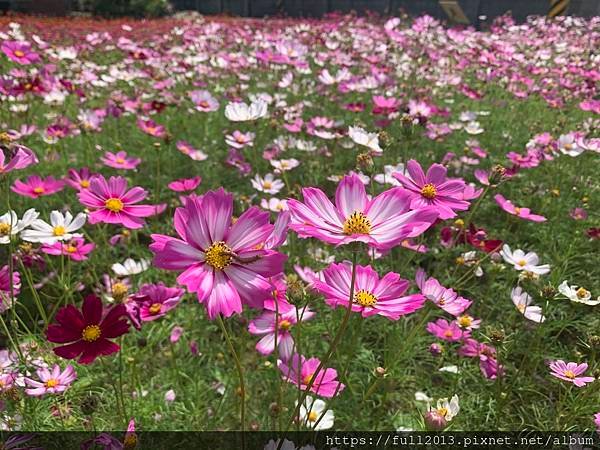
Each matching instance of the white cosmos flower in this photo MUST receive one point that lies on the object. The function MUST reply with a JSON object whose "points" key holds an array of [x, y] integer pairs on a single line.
{"points": [[474, 128], [61, 228], [577, 295], [567, 144], [283, 165], [274, 204], [448, 409], [524, 261], [10, 225], [449, 369], [241, 112], [130, 267], [362, 137], [268, 184], [386, 176], [422, 397], [312, 410], [523, 301]]}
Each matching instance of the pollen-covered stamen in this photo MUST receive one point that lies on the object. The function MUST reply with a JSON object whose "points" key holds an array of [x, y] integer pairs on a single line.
{"points": [[19, 53], [465, 321], [582, 293], [114, 205], [219, 255], [307, 379], [570, 374], [51, 383], [39, 190], [59, 231], [285, 325], [357, 223], [312, 416], [5, 229], [443, 412], [364, 298], [84, 184], [429, 191], [155, 308], [522, 263], [70, 249], [119, 290], [91, 333]]}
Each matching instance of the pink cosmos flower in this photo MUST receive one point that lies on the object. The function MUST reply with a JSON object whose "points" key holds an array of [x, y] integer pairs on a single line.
{"points": [[225, 264], [15, 157], [19, 52], [570, 372], [372, 295], [79, 179], [523, 213], [187, 149], [445, 298], [155, 300], [151, 128], [433, 189], [382, 222], [185, 184], [120, 160], [5, 284], [35, 186], [111, 202], [488, 363], [300, 372], [51, 382], [76, 249], [266, 325], [204, 101], [578, 214], [597, 421], [240, 140], [448, 331]]}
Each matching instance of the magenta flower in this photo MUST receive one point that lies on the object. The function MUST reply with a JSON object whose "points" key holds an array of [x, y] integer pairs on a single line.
{"points": [[55, 382], [19, 52], [111, 202], [578, 214], [433, 189], [266, 324], [79, 179], [15, 157], [488, 364], [445, 298], [382, 222], [225, 264], [570, 372], [185, 184], [300, 372], [597, 421], [120, 160], [155, 300], [35, 186], [76, 249], [523, 213], [5, 284], [372, 295], [151, 128], [447, 331]]}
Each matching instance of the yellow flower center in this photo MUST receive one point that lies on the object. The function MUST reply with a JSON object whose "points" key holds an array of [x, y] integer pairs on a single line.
{"points": [[448, 333], [119, 290], [84, 184], [364, 298], [521, 308], [39, 190], [114, 204], [582, 292], [465, 321], [443, 412], [155, 308], [51, 383], [442, 301], [4, 229], [267, 185], [91, 333], [357, 223], [59, 230], [70, 249], [285, 325], [19, 53], [312, 416], [307, 379], [429, 191], [570, 374], [218, 255], [460, 261], [517, 210], [120, 160], [522, 263]]}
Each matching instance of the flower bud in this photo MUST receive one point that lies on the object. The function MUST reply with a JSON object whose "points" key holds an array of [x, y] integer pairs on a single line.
{"points": [[434, 421]]}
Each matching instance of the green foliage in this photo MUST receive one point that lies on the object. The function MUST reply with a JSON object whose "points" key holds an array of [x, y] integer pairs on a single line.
{"points": [[131, 8]]}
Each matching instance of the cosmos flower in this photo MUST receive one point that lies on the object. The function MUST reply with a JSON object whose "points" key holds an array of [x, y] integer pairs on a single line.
{"points": [[269, 184], [15, 157], [11, 225], [382, 222], [79, 179], [274, 204], [111, 202], [488, 364], [387, 176], [445, 298], [447, 331], [35, 187], [524, 261], [523, 213], [314, 409], [300, 372], [185, 184], [242, 112], [240, 140], [266, 324], [19, 52], [76, 249], [5, 287], [225, 264], [130, 267], [570, 372], [433, 189], [50, 382], [204, 101], [362, 137], [187, 149], [150, 127], [153, 301], [523, 301], [87, 332], [62, 227], [284, 165], [120, 160], [372, 295], [577, 294]]}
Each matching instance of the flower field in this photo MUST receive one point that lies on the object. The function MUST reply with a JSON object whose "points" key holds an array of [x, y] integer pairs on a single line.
{"points": [[346, 223]]}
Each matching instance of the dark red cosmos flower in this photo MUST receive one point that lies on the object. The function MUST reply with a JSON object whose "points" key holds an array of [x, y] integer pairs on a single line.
{"points": [[88, 330]]}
